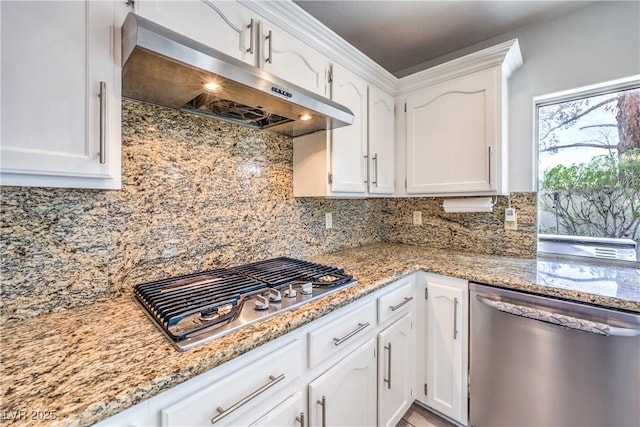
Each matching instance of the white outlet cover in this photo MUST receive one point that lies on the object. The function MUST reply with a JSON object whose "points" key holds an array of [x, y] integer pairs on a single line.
{"points": [[417, 217], [328, 220]]}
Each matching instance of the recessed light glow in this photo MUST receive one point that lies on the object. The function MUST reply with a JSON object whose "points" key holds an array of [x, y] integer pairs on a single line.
{"points": [[212, 87], [306, 116]]}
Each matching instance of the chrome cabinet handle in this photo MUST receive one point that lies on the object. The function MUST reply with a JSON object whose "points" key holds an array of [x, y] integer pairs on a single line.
{"points": [[489, 165], [558, 319], [270, 39], [251, 26], [300, 419], [361, 326], [103, 122], [224, 412], [323, 403], [388, 379], [375, 165], [397, 306], [455, 318]]}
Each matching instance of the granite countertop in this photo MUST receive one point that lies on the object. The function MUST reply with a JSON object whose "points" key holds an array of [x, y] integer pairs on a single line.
{"points": [[90, 363]]}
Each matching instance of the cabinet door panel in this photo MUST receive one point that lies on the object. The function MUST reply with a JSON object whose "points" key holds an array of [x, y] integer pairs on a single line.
{"points": [[394, 371], [292, 60], [381, 142], [446, 361], [349, 143], [451, 136], [51, 109], [349, 391], [286, 414], [223, 25]]}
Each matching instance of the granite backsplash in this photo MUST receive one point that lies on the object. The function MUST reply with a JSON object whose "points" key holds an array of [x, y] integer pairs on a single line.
{"points": [[199, 194]]}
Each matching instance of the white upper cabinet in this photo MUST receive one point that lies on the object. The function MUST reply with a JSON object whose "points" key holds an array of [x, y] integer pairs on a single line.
{"points": [[455, 124], [355, 160], [381, 142], [61, 94], [349, 143], [451, 136], [226, 26], [292, 60]]}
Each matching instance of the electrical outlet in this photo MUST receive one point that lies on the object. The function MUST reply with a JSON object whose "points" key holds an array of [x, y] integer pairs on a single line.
{"points": [[417, 217], [510, 219], [328, 220]]}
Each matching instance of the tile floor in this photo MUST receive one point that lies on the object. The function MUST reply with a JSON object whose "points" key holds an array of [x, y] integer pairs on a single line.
{"points": [[417, 416]]}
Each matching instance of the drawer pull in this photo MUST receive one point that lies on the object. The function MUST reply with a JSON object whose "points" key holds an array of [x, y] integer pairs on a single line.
{"points": [[361, 326], [395, 307], [224, 412]]}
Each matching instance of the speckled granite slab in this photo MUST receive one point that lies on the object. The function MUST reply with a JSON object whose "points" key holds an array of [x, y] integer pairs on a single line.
{"points": [[196, 194], [87, 367], [480, 233]]}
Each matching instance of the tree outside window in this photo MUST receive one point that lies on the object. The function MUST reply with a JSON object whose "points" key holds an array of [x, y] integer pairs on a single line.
{"points": [[589, 165]]}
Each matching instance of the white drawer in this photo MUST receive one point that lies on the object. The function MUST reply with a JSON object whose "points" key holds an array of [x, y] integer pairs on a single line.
{"points": [[239, 391], [341, 333], [396, 302]]}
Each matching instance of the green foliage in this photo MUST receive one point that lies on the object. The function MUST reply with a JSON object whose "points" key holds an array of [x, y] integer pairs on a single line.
{"points": [[602, 173], [598, 198]]}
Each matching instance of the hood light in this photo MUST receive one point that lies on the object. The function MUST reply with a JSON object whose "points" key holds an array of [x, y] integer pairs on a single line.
{"points": [[306, 116], [212, 87]]}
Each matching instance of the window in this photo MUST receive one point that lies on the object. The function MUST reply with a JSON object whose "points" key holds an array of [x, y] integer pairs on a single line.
{"points": [[589, 168]]}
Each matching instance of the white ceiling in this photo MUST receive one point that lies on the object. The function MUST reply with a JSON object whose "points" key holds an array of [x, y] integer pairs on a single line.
{"points": [[402, 34]]}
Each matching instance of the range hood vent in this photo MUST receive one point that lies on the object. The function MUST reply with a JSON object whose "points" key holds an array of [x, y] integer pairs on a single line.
{"points": [[165, 68]]}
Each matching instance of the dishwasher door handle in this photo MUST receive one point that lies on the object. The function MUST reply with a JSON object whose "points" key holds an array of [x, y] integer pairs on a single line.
{"points": [[563, 320]]}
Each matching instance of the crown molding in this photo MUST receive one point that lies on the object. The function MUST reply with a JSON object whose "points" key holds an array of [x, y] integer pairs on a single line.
{"points": [[296, 21], [507, 55]]}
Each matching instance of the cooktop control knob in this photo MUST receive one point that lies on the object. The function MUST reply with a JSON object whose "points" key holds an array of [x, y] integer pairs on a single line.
{"points": [[275, 295], [262, 303], [306, 289], [290, 293]]}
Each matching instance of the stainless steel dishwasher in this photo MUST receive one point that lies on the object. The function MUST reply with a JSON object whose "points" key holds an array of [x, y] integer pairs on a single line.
{"points": [[543, 362]]}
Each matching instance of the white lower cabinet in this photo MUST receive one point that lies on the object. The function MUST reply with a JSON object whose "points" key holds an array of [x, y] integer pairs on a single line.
{"points": [[345, 369], [291, 412], [241, 397], [345, 395], [395, 371], [443, 346]]}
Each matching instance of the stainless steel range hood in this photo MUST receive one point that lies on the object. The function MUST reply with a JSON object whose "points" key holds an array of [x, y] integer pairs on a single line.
{"points": [[165, 68]]}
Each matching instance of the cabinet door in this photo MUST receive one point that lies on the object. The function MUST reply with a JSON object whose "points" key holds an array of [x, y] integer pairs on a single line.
{"points": [[223, 25], [394, 371], [349, 143], [289, 413], [345, 395], [447, 361], [292, 60], [60, 95], [381, 142], [452, 130]]}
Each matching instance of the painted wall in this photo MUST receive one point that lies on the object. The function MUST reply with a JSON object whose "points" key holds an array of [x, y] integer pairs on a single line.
{"points": [[595, 44]]}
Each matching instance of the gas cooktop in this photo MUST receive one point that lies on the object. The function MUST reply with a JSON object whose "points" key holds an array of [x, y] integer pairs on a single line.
{"points": [[193, 309]]}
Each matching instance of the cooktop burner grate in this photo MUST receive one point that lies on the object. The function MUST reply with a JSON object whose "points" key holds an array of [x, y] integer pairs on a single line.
{"points": [[279, 271], [188, 307]]}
